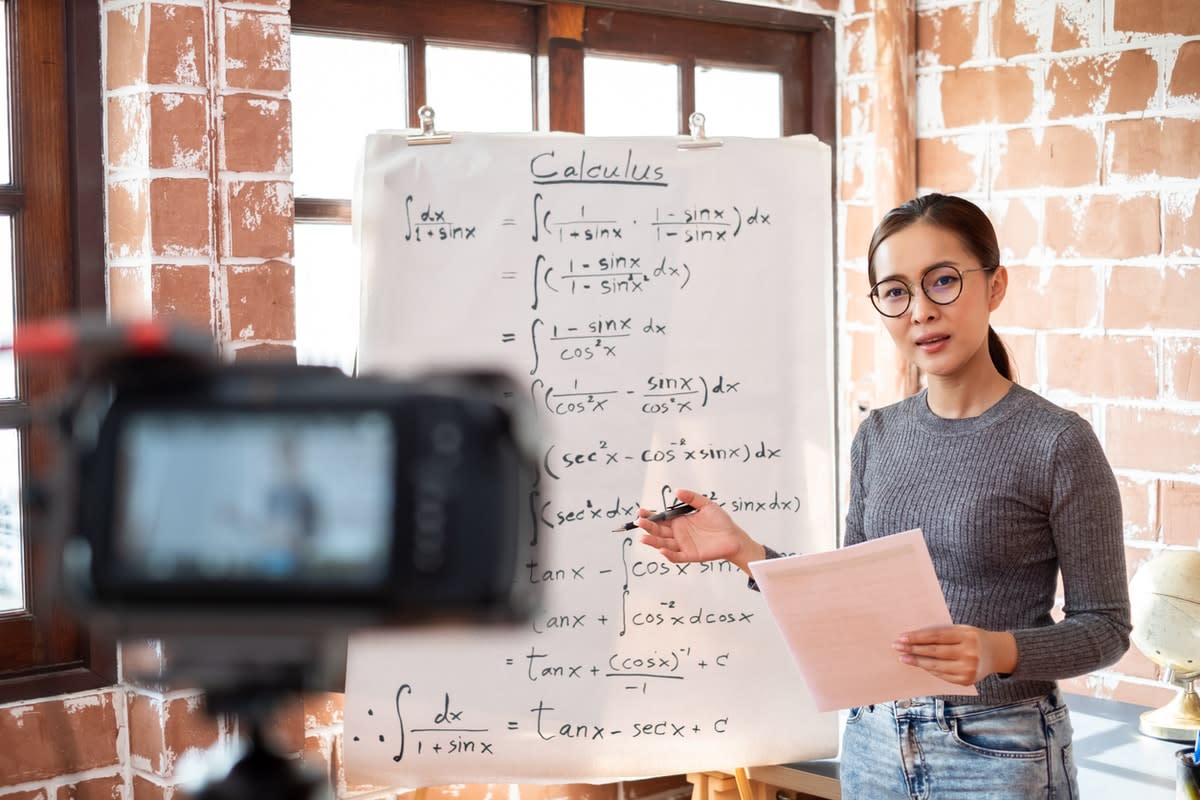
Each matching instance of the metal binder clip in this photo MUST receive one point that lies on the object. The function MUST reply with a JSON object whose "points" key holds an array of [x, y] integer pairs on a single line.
{"points": [[428, 135], [698, 140]]}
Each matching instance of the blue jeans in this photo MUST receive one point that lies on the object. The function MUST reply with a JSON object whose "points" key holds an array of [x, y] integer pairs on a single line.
{"points": [[926, 749]]}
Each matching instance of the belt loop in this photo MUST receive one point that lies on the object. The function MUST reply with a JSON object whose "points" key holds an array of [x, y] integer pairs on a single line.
{"points": [[939, 713]]}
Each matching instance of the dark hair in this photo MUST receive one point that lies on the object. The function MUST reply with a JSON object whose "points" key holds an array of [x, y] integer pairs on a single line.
{"points": [[966, 221]]}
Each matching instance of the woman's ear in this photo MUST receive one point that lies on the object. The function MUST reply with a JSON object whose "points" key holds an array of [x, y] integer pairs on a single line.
{"points": [[997, 287]]}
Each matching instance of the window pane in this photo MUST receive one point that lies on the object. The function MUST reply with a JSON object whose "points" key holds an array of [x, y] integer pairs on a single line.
{"points": [[12, 573], [472, 89], [327, 285], [342, 90], [739, 102], [5, 114], [8, 375], [622, 97]]}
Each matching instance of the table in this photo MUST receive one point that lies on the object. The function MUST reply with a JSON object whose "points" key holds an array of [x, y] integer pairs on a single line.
{"points": [[1115, 762]]}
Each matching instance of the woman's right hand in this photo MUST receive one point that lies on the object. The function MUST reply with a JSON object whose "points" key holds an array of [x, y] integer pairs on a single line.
{"points": [[707, 535]]}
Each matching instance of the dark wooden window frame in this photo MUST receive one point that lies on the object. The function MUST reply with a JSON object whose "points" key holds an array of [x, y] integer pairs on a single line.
{"points": [[56, 199], [799, 46]]}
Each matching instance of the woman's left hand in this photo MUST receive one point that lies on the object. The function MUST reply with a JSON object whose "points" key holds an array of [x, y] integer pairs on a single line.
{"points": [[961, 654]]}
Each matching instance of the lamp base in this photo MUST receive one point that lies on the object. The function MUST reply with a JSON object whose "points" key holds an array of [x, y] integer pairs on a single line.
{"points": [[1177, 721]]}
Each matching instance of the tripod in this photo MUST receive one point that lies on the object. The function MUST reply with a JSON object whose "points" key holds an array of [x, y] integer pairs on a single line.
{"points": [[261, 773]]}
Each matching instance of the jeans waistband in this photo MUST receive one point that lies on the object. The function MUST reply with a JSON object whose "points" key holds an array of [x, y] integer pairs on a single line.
{"points": [[936, 708]]}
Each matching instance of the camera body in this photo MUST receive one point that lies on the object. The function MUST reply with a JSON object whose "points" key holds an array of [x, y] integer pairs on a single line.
{"points": [[249, 515]]}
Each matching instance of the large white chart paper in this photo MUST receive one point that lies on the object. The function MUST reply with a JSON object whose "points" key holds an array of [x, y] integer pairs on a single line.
{"points": [[670, 313], [840, 612]]}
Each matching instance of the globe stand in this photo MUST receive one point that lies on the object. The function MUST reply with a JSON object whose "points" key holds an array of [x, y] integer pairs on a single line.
{"points": [[1178, 720]]}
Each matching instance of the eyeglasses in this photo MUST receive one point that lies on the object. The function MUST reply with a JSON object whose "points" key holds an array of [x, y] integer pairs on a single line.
{"points": [[942, 284]]}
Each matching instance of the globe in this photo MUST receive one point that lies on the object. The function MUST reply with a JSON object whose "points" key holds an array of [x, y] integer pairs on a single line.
{"points": [[1164, 597]]}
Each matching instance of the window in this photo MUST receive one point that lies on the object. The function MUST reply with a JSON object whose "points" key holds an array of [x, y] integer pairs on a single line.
{"points": [[48, 265], [487, 65], [626, 96]]}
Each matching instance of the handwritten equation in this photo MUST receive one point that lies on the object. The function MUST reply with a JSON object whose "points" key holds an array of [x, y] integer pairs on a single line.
{"points": [[435, 726], [595, 279], [692, 225], [429, 222], [557, 462], [658, 394]]}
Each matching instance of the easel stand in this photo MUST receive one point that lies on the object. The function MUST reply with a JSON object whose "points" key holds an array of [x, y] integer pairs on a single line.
{"points": [[723, 786]]}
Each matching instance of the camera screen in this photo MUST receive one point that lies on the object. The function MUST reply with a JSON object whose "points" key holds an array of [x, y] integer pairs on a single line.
{"points": [[253, 496]]}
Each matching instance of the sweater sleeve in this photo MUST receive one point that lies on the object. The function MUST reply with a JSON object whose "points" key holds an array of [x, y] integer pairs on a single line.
{"points": [[770, 553], [1086, 523], [854, 513]]}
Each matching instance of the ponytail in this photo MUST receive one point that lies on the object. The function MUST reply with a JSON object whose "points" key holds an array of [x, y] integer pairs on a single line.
{"points": [[999, 354]]}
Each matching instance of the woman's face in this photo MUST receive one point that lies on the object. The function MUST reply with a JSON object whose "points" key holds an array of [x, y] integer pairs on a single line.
{"points": [[942, 340]]}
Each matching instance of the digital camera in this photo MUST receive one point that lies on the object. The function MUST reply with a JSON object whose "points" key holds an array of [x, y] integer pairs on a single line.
{"points": [[244, 514]]}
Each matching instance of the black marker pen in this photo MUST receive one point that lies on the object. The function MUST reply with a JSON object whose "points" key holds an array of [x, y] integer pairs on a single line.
{"points": [[670, 513]]}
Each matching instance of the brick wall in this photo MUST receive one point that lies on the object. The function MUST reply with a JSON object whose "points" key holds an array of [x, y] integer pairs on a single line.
{"points": [[64, 748], [198, 227], [1076, 124], [198, 162]]}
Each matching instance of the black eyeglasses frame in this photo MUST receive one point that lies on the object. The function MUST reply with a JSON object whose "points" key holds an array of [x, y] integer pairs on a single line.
{"points": [[874, 293]]}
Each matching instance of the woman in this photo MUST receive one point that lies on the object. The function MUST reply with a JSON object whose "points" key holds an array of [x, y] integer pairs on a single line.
{"points": [[1009, 490]]}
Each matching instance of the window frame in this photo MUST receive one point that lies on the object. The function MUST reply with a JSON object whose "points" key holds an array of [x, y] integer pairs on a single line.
{"points": [[58, 257], [797, 45]]}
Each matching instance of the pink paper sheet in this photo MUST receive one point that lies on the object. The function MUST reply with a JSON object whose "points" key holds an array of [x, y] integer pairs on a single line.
{"points": [[840, 611]]}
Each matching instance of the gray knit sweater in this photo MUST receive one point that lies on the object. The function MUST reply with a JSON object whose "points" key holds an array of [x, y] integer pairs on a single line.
{"points": [[1006, 500]]}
